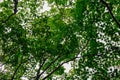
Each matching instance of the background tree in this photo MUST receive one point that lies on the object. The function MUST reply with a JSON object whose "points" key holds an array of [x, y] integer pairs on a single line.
{"points": [[36, 44]]}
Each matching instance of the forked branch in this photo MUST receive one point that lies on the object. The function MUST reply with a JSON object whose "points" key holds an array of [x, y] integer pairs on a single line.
{"points": [[72, 59], [50, 65]]}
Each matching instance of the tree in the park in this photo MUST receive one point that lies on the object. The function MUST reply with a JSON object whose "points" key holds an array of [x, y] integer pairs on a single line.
{"points": [[35, 44]]}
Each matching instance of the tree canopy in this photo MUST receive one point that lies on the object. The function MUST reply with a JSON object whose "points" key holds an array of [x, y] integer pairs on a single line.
{"points": [[35, 44]]}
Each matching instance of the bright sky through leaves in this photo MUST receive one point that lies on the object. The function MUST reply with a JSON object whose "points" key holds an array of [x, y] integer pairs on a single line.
{"points": [[59, 39]]}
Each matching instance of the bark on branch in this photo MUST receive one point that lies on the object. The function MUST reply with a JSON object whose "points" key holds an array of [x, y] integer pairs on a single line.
{"points": [[15, 6], [15, 10], [72, 59], [38, 71], [59, 67], [50, 65]]}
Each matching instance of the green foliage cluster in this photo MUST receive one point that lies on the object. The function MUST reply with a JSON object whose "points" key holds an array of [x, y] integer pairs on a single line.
{"points": [[36, 44]]}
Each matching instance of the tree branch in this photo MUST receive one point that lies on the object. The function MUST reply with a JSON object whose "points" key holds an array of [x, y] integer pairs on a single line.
{"points": [[110, 11], [50, 64], [15, 11], [15, 72], [15, 6], [66, 61], [38, 71], [59, 67], [12, 78]]}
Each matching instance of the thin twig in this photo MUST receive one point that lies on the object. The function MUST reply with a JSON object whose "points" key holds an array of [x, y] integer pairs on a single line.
{"points": [[15, 71], [50, 64], [59, 67], [110, 11], [38, 71]]}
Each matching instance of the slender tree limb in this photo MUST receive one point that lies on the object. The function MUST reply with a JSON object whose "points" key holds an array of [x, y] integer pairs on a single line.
{"points": [[59, 67], [12, 78], [110, 11], [38, 71], [50, 64], [15, 6], [20, 64], [15, 10], [72, 59]]}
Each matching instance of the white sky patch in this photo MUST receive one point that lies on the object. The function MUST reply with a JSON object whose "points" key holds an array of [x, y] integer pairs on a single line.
{"points": [[90, 78], [67, 67], [37, 66], [1, 8], [24, 78], [1, 1], [2, 67], [45, 7]]}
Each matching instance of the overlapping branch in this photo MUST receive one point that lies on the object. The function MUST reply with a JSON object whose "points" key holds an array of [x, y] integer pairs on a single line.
{"points": [[50, 65], [72, 59], [59, 67], [38, 71]]}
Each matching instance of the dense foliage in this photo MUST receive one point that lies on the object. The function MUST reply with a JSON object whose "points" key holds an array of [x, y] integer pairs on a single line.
{"points": [[34, 44]]}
